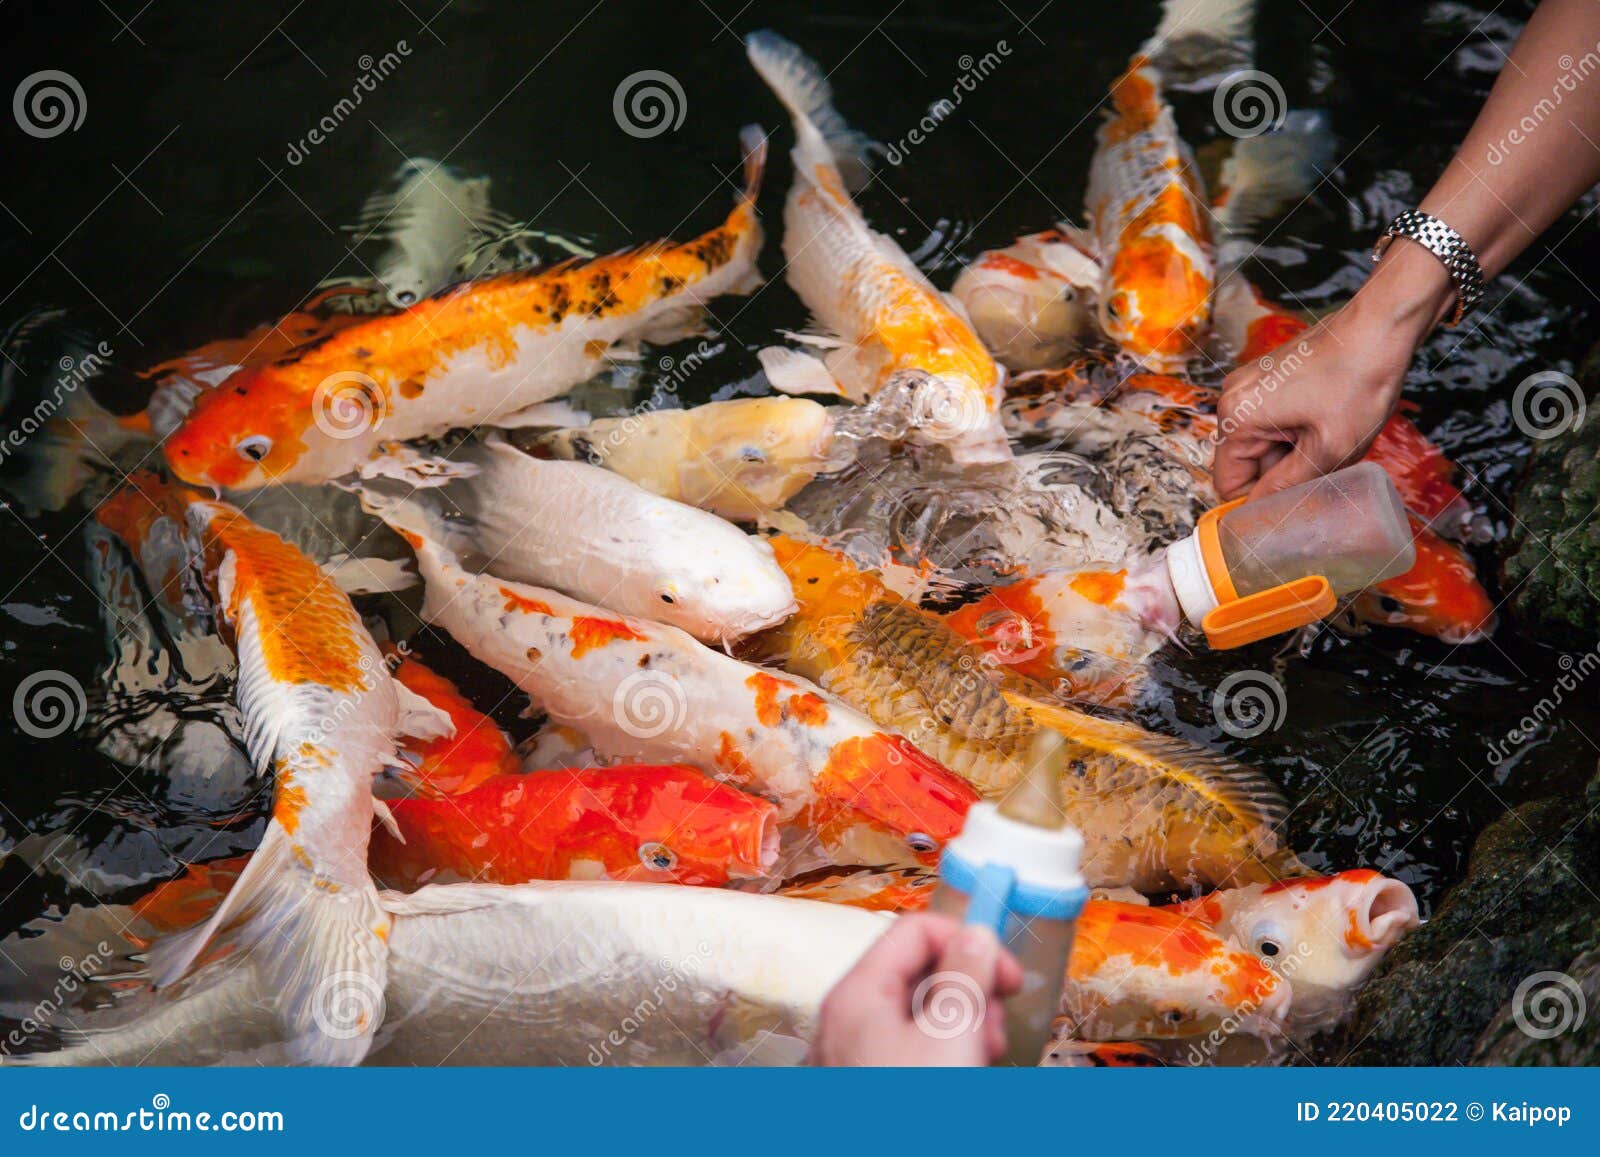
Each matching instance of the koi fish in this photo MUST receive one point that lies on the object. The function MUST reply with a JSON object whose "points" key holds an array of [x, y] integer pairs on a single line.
{"points": [[887, 322], [1034, 301], [629, 822], [1152, 810], [875, 889], [733, 977], [431, 221], [1439, 596], [1148, 209], [607, 540], [322, 712], [1087, 634], [475, 752], [1078, 1054], [1323, 935], [742, 458], [181, 903], [1139, 973], [647, 692], [476, 354]]}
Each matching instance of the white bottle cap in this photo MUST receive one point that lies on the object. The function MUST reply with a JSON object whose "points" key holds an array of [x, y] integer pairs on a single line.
{"points": [[1042, 858], [1186, 566]]}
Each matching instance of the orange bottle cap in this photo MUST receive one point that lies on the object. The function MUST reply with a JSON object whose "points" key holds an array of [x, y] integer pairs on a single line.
{"points": [[1269, 612], [1205, 532]]}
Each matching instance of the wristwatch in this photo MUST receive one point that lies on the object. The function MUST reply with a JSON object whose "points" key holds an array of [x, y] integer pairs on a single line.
{"points": [[1448, 246]]}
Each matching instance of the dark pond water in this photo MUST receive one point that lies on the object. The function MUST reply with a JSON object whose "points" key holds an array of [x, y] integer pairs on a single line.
{"points": [[176, 212]]}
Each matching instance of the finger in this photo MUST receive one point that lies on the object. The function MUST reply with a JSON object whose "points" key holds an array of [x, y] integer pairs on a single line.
{"points": [[1007, 974], [994, 1031], [1236, 465], [1300, 465], [907, 950]]}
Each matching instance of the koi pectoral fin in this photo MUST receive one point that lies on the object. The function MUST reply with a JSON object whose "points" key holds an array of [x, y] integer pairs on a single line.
{"points": [[792, 372]]}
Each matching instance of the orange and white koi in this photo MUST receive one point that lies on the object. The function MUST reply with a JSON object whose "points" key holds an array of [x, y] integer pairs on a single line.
{"points": [[321, 710], [1439, 596], [644, 691], [1140, 973], [887, 322], [1034, 301], [473, 355], [1148, 208], [1323, 935], [629, 822], [607, 540], [743, 458]]}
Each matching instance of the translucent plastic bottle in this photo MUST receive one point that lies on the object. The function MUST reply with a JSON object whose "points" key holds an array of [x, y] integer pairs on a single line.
{"points": [[1256, 568], [1014, 867]]}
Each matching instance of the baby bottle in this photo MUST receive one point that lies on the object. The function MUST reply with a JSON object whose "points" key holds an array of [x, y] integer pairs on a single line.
{"points": [[1014, 868], [1256, 569]]}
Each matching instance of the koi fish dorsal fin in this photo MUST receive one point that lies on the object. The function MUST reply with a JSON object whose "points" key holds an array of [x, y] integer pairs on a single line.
{"points": [[803, 88], [1243, 791]]}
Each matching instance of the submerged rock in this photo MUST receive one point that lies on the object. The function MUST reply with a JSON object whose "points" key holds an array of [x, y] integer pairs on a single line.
{"points": [[1529, 904], [1554, 562]]}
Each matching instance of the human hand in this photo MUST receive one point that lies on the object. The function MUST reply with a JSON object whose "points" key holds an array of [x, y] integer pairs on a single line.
{"points": [[1317, 402], [929, 992]]}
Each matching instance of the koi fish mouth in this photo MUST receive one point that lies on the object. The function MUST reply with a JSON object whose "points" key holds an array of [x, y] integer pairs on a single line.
{"points": [[759, 855], [1383, 912]]}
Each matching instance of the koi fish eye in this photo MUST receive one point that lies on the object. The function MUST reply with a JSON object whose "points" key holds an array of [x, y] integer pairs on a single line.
{"points": [[254, 448], [752, 454], [1267, 939], [667, 592], [1172, 1015], [403, 297], [657, 856], [921, 843], [1389, 606]]}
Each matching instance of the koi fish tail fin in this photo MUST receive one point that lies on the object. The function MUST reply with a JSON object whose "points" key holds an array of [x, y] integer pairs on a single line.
{"points": [[753, 144], [1267, 175], [1245, 792], [54, 435], [1199, 42], [439, 544], [822, 135], [323, 949]]}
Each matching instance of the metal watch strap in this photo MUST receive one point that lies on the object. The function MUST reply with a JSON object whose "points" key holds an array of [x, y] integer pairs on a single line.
{"points": [[1448, 246]]}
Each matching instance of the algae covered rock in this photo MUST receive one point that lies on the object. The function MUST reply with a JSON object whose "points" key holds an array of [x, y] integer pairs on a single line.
{"points": [[1554, 562], [1529, 904]]}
